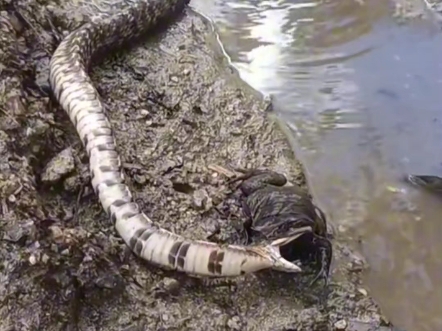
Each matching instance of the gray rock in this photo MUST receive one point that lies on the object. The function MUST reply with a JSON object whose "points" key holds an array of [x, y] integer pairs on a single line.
{"points": [[59, 167]]}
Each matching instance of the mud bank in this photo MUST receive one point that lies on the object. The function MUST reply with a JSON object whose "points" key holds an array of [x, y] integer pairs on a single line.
{"points": [[177, 108]]}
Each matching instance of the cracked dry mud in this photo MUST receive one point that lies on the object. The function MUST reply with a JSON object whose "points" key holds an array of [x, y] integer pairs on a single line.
{"points": [[177, 108]]}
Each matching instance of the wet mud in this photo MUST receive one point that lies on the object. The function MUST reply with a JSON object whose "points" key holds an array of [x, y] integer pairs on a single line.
{"points": [[177, 108]]}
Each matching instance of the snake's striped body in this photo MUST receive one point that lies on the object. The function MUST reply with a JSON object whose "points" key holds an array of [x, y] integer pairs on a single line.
{"points": [[76, 94]]}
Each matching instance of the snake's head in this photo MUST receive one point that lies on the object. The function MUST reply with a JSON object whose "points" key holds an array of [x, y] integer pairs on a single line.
{"points": [[276, 248]]}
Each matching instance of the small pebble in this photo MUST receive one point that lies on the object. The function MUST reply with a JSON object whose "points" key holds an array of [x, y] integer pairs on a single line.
{"points": [[54, 248], [56, 232], [108, 281], [87, 258], [33, 259], [201, 200], [15, 233], [212, 227], [15, 22], [37, 128], [72, 183], [171, 285], [45, 258], [363, 291], [166, 286], [234, 323], [341, 325]]}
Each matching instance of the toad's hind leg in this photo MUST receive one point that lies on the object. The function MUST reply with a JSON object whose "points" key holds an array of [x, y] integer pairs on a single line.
{"points": [[323, 258], [247, 224], [257, 179]]}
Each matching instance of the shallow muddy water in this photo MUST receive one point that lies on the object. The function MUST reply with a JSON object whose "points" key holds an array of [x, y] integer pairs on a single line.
{"points": [[359, 84]]}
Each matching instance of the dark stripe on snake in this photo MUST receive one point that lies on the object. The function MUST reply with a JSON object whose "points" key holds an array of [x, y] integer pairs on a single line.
{"points": [[212, 261], [133, 241], [117, 203], [182, 255], [173, 253]]}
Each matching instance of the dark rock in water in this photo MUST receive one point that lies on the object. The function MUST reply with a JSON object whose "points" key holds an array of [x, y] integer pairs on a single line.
{"points": [[429, 183]]}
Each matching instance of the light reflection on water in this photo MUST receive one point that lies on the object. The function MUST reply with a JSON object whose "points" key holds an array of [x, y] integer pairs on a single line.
{"points": [[362, 95]]}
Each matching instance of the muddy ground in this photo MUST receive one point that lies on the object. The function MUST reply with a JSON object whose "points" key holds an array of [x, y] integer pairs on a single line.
{"points": [[177, 108]]}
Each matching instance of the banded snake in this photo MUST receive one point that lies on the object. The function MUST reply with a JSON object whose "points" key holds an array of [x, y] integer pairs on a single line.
{"points": [[74, 91]]}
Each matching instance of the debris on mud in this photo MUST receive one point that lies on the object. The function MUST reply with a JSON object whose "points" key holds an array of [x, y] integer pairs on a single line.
{"points": [[58, 167], [176, 108]]}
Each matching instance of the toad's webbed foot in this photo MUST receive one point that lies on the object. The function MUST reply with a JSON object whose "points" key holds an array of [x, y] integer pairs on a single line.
{"points": [[323, 259]]}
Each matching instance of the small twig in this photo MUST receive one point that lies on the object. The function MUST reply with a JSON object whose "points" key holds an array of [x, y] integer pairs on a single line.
{"points": [[132, 166], [33, 28], [9, 115], [77, 202], [222, 170]]}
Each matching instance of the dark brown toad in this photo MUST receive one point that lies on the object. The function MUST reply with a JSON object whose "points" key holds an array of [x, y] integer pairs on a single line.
{"points": [[276, 211]]}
